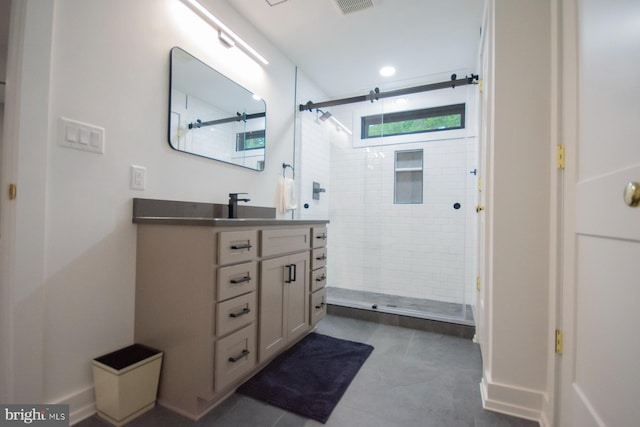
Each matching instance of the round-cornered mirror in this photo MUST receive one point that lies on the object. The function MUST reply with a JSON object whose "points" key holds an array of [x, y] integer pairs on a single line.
{"points": [[212, 116]]}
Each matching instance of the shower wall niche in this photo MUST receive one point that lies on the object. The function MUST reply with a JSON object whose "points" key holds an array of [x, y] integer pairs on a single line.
{"points": [[402, 210]]}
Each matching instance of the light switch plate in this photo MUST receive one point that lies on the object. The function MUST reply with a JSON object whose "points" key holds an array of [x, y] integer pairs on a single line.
{"points": [[81, 136]]}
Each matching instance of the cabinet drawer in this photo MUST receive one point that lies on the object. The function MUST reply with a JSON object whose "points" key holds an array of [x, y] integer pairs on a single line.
{"points": [[318, 308], [236, 280], [235, 356], [275, 242], [318, 258], [235, 313], [318, 237], [237, 246], [318, 279]]}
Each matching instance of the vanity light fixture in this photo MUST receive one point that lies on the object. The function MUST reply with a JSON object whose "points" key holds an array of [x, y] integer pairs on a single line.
{"points": [[227, 37], [226, 40]]}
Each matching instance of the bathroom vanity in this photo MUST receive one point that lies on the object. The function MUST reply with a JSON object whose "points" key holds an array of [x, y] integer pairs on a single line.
{"points": [[222, 297]]}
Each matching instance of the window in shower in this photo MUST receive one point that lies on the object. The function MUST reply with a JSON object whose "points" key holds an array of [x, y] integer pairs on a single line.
{"points": [[408, 177], [447, 117], [251, 140]]}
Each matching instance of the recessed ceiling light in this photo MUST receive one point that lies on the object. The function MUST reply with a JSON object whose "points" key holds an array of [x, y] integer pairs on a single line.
{"points": [[387, 71]]}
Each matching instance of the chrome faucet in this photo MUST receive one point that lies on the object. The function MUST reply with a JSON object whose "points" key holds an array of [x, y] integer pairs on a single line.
{"points": [[233, 204]]}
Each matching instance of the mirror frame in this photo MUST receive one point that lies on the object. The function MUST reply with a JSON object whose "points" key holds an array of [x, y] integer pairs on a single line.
{"points": [[244, 116]]}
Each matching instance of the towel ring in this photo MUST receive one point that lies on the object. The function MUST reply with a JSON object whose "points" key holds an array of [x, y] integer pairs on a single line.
{"points": [[284, 170]]}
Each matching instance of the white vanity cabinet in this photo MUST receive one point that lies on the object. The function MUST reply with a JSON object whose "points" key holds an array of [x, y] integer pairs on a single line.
{"points": [[284, 313], [220, 299], [318, 276], [236, 307]]}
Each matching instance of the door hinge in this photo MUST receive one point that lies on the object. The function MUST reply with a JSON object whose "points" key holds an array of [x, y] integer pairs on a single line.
{"points": [[560, 156], [478, 283], [480, 184], [481, 85], [558, 342], [13, 191]]}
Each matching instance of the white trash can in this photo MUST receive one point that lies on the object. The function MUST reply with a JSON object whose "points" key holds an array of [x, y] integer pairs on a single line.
{"points": [[126, 382]]}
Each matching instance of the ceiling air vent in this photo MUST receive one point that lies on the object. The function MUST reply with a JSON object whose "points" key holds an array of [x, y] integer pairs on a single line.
{"points": [[350, 6]]}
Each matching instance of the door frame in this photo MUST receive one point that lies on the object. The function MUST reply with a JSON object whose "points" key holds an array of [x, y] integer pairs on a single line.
{"points": [[560, 197], [8, 209]]}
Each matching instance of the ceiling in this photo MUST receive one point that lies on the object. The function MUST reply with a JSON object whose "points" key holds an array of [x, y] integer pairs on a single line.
{"points": [[426, 40]]}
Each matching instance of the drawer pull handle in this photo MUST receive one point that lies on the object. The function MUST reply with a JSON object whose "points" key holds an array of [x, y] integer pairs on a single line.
{"points": [[322, 237], [244, 354], [237, 281], [321, 258], [320, 306], [244, 311], [238, 247], [321, 278]]}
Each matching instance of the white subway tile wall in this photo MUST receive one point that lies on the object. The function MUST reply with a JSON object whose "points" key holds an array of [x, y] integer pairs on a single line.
{"points": [[413, 250], [312, 152], [423, 250]]}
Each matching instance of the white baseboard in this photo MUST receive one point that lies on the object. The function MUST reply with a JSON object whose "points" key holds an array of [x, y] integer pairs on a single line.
{"points": [[82, 404], [514, 401]]}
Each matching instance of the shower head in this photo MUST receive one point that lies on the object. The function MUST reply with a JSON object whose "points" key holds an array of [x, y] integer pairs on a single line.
{"points": [[325, 115]]}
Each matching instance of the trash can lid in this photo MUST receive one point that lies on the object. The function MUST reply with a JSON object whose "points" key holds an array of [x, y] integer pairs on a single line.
{"points": [[127, 356]]}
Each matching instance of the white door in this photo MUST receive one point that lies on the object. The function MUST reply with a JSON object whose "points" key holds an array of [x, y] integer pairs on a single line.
{"points": [[601, 269]]}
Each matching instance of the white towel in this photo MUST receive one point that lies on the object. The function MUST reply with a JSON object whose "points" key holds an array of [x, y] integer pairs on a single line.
{"points": [[286, 195]]}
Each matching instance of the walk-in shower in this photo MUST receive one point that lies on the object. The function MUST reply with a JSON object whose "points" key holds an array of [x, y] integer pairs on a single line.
{"points": [[401, 190]]}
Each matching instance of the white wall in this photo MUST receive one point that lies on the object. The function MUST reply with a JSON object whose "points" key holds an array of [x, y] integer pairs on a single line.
{"points": [[518, 192], [107, 63]]}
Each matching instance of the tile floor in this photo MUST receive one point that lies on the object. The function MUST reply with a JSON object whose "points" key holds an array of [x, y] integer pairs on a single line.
{"points": [[412, 379]]}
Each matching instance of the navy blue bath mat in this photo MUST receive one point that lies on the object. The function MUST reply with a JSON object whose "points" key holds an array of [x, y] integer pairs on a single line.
{"points": [[310, 378]]}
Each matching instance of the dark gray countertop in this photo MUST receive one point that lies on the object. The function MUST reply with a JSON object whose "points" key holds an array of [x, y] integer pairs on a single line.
{"points": [[224, 222], [170, 212]]}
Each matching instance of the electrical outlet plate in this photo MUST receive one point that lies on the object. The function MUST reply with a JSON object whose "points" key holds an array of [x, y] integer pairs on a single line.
{"points": [[138, 177]]}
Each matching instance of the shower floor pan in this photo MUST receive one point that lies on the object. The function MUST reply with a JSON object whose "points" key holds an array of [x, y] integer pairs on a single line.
{"points": [[424, 314]]}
